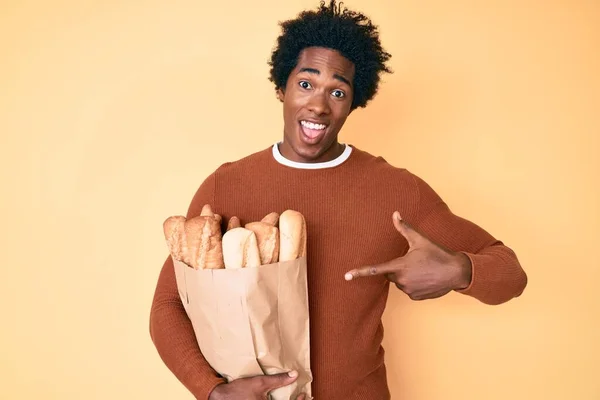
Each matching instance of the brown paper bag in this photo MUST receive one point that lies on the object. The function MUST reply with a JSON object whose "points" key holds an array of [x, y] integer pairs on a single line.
{"points": [[251, 321]]}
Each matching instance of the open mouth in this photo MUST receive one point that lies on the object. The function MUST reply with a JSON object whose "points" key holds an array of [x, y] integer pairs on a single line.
{"points": [[312, 131]]}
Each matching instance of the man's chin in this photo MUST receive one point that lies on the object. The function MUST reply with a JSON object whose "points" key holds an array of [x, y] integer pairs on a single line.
{"points": [[311, 154], [299, 151]]}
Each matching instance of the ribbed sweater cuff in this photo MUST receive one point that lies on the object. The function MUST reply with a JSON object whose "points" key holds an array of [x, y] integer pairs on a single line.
{"points": [[492, 281], [204, 385], [469, 289]]}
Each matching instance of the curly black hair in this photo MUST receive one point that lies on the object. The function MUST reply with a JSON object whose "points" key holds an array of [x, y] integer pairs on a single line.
{"points": [[351, 33]]}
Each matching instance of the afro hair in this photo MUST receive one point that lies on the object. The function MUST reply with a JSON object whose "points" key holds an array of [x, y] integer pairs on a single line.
{"points": [[350, 33]]}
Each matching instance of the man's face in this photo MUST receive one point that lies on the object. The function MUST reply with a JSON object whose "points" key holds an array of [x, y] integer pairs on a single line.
{"points": [[316, 103]]}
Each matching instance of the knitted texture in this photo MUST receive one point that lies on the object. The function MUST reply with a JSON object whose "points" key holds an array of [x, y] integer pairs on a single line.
{"points": [[348, 210]]}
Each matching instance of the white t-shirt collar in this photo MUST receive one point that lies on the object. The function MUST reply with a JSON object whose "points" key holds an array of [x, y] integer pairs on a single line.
{"points": [[327, 164]]}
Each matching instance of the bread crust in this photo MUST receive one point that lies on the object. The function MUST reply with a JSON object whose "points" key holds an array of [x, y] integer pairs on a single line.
{"points": [[240, 248], [196, 241], [292, 233], [267, 237], [199, 243]]}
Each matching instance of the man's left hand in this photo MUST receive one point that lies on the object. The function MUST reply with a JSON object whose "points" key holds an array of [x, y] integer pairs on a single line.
{"points": [[426, 271]]}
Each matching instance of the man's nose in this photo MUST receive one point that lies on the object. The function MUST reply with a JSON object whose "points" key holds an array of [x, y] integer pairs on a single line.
{"points": [[319, 104]]}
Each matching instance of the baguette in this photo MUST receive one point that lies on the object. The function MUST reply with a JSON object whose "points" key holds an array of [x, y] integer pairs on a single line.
{"points": [[210, 251], [271, 219], [240, 248], [208, 212], [234, 222], [196, 241], [267, 236], [174, 230], [292, 234], [205, 249]]}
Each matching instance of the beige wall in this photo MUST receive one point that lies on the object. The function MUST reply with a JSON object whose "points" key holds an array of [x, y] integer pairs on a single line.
{"points": [[111, 114]]}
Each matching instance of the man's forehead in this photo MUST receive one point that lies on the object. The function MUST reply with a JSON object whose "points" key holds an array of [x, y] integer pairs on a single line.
{"points": [[322, 58]]}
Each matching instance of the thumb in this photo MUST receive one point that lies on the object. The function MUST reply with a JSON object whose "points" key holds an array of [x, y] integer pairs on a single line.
{"points": [[405, 229], [270, 382]]}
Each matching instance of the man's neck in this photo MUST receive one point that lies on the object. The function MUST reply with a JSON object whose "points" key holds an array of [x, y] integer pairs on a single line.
{"points": [[340, 159], [333, 152]]}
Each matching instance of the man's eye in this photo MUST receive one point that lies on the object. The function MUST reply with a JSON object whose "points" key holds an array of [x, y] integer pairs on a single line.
{"points": [[338, 93], [304, 85]]}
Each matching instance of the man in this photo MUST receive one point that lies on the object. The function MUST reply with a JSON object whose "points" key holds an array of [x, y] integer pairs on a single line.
{"points": [[327, 63]]}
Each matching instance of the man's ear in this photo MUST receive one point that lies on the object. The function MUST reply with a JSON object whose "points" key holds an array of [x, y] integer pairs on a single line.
{"points": [[280, 94]]}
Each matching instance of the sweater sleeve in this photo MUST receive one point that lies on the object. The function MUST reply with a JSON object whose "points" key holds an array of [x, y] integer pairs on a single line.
{"points": [[497, 275], [170, 328]]}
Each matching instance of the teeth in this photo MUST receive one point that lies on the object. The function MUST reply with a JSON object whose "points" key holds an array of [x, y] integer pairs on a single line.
{"points": [[310, 125]]}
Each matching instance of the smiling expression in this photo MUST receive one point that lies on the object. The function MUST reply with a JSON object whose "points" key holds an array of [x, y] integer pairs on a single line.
{"points": [[316, 102]]}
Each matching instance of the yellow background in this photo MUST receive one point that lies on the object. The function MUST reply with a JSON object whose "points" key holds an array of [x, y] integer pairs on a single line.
{"points": [[112, 113]]}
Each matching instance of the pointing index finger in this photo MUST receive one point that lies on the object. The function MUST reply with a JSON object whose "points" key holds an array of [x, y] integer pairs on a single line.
{"points": [[380, 269]]}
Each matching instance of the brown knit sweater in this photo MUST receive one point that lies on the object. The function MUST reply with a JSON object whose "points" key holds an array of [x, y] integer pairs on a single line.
{"points": [[348, 206]]}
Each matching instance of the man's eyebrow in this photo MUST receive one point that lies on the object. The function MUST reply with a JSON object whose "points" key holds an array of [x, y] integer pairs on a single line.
{"points": [[310, 70], [317, 72]]}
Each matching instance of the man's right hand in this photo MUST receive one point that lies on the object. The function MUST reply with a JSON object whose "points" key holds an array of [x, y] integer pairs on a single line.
{"points": [[255, 388]]}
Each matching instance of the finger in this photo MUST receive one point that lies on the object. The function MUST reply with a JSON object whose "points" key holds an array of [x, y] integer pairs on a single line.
{"points": [[270, 382], [301, 397], [372, 270], [409, 233], [427, 296]]}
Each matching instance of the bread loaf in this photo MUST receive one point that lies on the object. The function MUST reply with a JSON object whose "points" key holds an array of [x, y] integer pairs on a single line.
{"points": [[240, 248], [196, 241], [234, 222], [271, 219], [267, 236], [209, 253], [208, 212], [174, 230], [292, 234]]}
